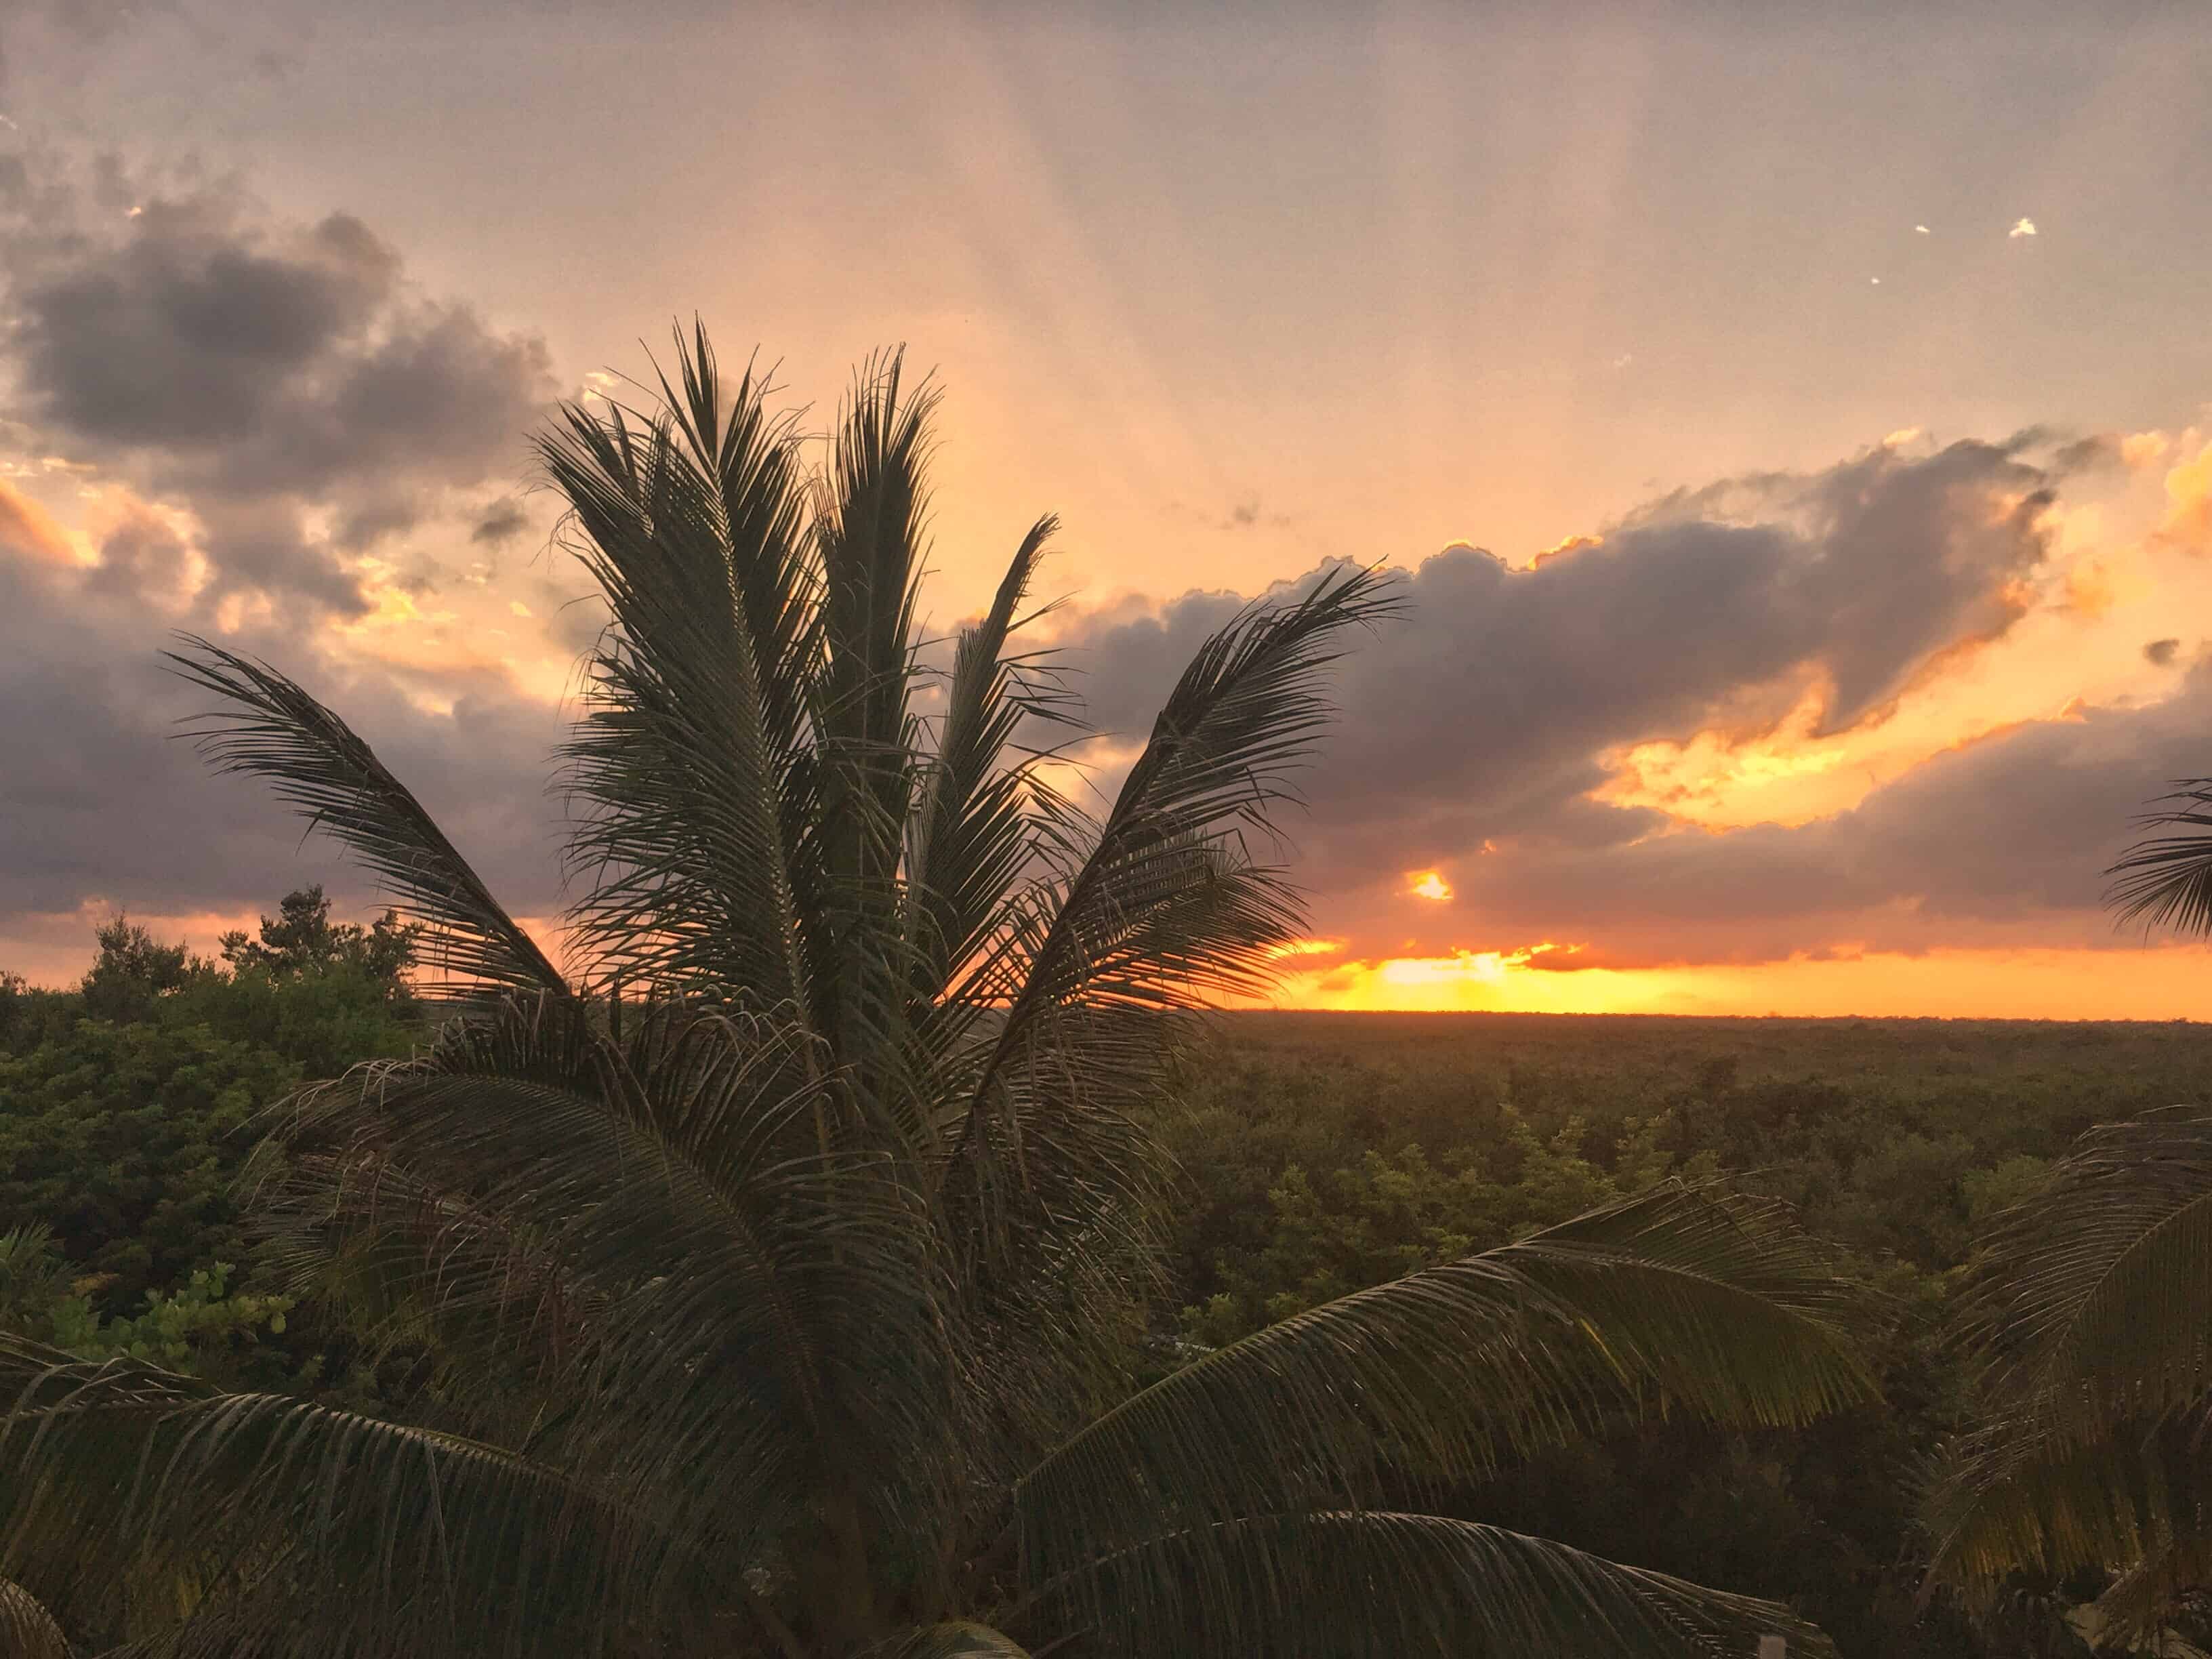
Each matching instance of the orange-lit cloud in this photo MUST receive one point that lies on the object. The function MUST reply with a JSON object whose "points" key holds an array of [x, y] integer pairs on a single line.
{"points": [[2188, 521], [28, 527], [1428, 884]]}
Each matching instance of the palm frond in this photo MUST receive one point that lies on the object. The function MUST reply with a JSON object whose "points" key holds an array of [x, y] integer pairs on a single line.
{"points": [[729, 1293], [1679, 1298], [869, 528], [2014, 1498], [2084, 1317], [2087, 1306], [1379, 1584], [273, 729], [687, 759], [971, 834], [1244, 715], [2166, 880], [263, 1501], [1164, 911], [27, 1630]]}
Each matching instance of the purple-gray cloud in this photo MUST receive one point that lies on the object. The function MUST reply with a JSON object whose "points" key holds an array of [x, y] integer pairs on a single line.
{"points": [[285, 382]]}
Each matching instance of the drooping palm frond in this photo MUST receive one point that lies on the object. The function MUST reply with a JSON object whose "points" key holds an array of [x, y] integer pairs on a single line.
{"points": [[2019, 1497], [27, 1630], [136, 1483], [273, 729], [1377, 1584], [2165, 880], [1677, 1298], [2086, 1317], [2092, 1298]]}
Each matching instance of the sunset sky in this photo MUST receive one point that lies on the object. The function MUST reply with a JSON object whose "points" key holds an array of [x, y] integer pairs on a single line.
{"points": [[1793, 424]]}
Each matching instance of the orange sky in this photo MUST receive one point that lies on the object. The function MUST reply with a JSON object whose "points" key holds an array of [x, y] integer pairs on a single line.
{"points": [[2167, 983]]}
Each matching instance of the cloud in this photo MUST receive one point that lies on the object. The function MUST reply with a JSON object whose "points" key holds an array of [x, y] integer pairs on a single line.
{"points": [[2022, 228], [503, 521], [285, 381], [277, 439], [28, 531], [2000, 841], [1488, 715], [2160, 652]]}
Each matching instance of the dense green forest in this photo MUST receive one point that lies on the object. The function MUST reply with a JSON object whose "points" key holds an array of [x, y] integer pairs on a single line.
{"points": [[1318, 1154]]}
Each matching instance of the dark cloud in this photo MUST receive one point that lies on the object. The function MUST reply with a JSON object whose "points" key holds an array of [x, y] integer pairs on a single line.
{"points": [[2086, 454], [2160, 652], [1486, 715], [503, 521], [2002, 841], [286, 381]]}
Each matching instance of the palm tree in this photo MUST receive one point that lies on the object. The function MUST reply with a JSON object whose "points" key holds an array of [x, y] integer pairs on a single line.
{"points": [[2089, 1314], [782, 1261]]}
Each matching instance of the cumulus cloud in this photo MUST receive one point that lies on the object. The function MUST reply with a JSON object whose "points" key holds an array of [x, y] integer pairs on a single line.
{"points": [[285, 381], [249, 410], [1478, 728]]}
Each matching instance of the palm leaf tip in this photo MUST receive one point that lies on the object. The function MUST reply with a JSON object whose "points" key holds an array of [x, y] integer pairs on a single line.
{"points": [[2166, 880]]}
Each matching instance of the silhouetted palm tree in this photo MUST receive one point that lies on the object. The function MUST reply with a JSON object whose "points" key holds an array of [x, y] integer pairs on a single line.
{"points": [[781, 1270]]}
